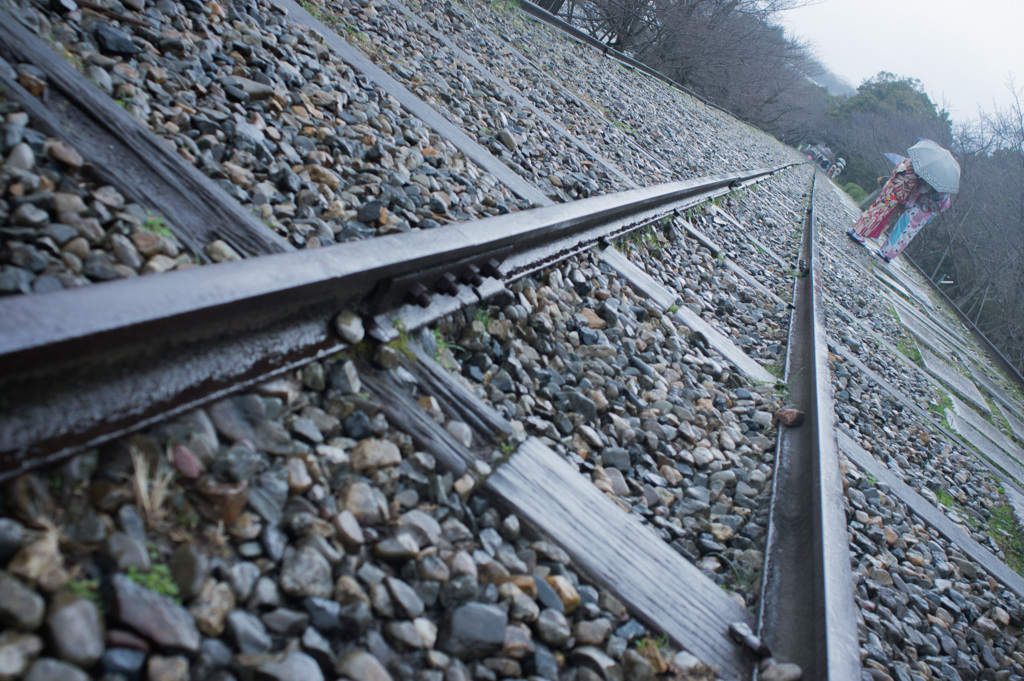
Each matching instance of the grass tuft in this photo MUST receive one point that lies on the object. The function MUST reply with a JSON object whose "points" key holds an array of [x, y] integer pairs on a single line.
{"points": [[158, 580]]}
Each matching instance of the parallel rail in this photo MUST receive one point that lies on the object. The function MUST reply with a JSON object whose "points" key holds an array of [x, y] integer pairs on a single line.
{"points": [[808, 615], [97, 362]]}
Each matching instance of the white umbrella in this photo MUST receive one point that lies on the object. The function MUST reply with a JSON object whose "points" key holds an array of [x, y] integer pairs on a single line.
{"points": [[936, 166]]}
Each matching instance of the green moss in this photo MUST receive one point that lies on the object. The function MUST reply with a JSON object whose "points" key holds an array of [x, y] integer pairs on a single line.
{"points": [[661, 643], [624, 127], [942, 404], [504, 6], [156, 225], [908, 348], [445, 348], [402, 342], [158, 580], [85, 588], [1008, 535], [356, 36], [483, 316], [944, 498], [854, 191]]}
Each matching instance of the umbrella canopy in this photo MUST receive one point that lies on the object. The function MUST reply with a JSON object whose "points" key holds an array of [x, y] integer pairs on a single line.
{"points": [[936, 166]]}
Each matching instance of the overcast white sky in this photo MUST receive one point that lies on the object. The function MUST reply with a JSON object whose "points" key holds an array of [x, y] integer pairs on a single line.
{"points": [[961, 50]]}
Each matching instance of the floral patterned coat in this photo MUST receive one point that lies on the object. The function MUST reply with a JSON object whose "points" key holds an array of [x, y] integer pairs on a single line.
{"points": [[894, 195]]}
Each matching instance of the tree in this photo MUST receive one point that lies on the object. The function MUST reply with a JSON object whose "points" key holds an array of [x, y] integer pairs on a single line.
{"points": [[979, 242], [888, 114], [727, 51]]}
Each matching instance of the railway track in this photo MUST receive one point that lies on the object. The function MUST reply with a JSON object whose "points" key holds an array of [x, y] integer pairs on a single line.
{"points": [[531, 442]]}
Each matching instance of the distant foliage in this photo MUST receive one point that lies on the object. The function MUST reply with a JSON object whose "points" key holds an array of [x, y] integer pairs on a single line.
{"points": [[727, 51], [887, 115], [978, 244], [854, 191]]}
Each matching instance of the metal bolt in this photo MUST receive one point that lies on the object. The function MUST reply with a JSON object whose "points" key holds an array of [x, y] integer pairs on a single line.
{"points": [[471, 275], [419, 295], [491, 269], [447, 284]]}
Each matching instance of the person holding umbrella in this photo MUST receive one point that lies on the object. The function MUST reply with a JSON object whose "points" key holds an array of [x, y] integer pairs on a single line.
{"points": [[921, 185]]}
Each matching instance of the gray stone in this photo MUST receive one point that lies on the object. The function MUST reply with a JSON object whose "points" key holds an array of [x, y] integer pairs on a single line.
{"points": [[306, 573], [126, 552], [616, 457], [306, 429], [547, 596], [89, 528], [273, 542], [781, 672], [294, 666], [399, 548], [112, 41], [349, 530], [20, 607], [350, 327], [371, 454], [189, 568], [242, 577], [16, 653], [12, 534], [636, 666], [21, 157], [359, 665], [406, 634], [582, 405], [344, 377], [409, 604], [48, 669], [592, 632], [167, 668], [244, 417], [553, 628], [426, 529], [123, 662], [473, 630], [594, 659], [248, 633], [365, 502], [157, 617], [284, 621], [265, 594], [76, 630], [214, 655]]}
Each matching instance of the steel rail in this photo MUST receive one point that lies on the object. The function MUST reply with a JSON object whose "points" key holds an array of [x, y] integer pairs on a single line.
{"points": [[808, 616], [978, 334], [82, 366]]}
